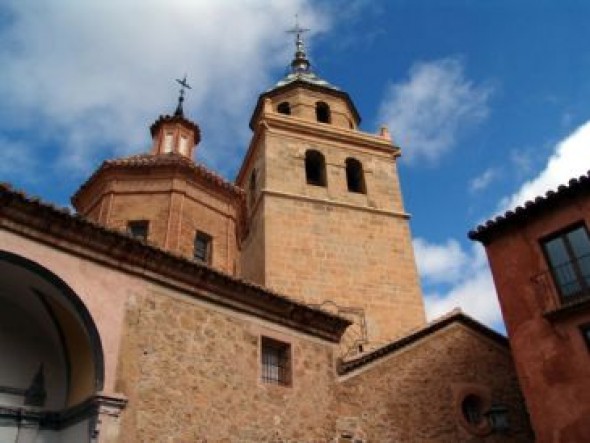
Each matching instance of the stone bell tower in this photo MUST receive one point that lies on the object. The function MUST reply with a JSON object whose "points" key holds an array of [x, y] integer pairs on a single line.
{"points": [[326, 222]]}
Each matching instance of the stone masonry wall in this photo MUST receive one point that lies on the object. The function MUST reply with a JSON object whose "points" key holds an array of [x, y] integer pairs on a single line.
{"points": [[415, 394], [192, 374], [328, 244]]}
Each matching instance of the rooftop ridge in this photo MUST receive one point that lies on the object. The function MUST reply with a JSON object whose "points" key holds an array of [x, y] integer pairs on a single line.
{"points": [[484, 231]]}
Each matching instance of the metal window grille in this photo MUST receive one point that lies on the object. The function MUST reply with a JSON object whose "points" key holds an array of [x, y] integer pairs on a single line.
{"points": [[276, 365]]}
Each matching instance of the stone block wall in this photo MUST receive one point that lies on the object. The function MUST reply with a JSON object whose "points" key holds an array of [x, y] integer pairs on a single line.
{"points": [[327, 244], [192, 374], [415, 394]]}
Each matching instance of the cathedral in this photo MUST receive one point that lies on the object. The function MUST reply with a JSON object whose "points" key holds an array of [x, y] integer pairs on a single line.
{"points": [[177, 306]]}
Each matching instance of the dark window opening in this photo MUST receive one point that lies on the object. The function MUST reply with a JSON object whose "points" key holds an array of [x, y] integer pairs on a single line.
{"points": [[568, 255], [585, 330], [252, 189], [203, 246], [276, 361], [284, 108], [322, 112], [472, 407], [138, 229], [355, 178], [315, 168]]}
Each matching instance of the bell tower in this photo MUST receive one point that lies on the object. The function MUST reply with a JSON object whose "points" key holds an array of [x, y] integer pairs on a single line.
{"points": [[326, 222]]}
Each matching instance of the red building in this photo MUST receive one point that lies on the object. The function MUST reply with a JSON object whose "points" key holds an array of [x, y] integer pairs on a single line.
{"points": [[539, 255]]}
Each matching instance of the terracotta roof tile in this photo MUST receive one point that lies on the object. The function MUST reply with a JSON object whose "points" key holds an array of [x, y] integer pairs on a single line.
{"points": [[170, 159], [455, 316], [108, 241], [575, 187]]}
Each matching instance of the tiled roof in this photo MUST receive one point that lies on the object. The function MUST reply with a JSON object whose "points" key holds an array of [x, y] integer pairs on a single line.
{"points": [[163, 160], [227, 290], [574, 188], [175, 118], [455, 316]]}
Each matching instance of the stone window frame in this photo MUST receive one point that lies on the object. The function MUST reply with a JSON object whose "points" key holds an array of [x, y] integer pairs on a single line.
{"points": [[203, 247], [138, 229]]}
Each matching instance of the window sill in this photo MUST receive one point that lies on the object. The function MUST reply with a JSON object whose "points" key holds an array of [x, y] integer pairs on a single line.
{"points": [[567, 310]]}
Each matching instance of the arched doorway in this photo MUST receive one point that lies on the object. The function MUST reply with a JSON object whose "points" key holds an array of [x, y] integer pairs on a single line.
{"points": [[51, 356]]}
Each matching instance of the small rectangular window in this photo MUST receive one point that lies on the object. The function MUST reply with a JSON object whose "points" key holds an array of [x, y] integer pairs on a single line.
{"points": [[203, 246], [138, 229], [568, 255], [276, 362]]}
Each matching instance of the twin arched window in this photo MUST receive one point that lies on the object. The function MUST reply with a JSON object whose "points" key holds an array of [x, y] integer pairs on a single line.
{"points": [[315, 172], [322, 111]]}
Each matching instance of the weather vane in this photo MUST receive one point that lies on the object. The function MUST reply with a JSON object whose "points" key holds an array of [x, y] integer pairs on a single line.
{"points": [[183, 85]]}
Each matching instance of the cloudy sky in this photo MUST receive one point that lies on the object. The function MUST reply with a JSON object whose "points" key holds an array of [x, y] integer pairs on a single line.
{"points": [[490, 101]]}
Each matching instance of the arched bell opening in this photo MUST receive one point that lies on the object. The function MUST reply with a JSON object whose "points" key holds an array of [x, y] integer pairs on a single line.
{"points": [[52, 358]]}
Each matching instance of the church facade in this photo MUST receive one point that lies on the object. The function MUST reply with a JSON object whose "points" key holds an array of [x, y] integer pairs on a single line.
{"points": [[176, 306]]}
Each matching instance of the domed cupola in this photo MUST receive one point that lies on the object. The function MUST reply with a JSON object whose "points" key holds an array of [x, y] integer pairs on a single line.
{"points": [[175, 133], [304, 94]]}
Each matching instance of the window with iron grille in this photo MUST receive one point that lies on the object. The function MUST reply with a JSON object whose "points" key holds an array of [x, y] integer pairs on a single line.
{"points": [[138, 229], [568, 254], [276, 362], [202, 247]]}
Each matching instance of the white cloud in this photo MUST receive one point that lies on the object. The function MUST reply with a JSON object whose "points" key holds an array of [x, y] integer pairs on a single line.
{"points": [[454, 277], [569, 160], [439, 263], [472, 290], [88, 78], [483, 180], [475, 295], [427, 112]]}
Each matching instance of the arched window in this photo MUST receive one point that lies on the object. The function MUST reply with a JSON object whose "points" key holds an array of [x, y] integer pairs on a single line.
{"points": [[322, 112], [284, 108], [315, 168], [355, 178]]}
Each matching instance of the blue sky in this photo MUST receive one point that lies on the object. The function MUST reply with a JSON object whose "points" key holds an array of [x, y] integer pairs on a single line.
{"points": [[489, 100]]}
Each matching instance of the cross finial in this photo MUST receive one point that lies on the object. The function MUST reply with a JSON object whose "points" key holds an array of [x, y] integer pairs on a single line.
{"points": [[300, 62], [183, 85], [297, 30]]}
